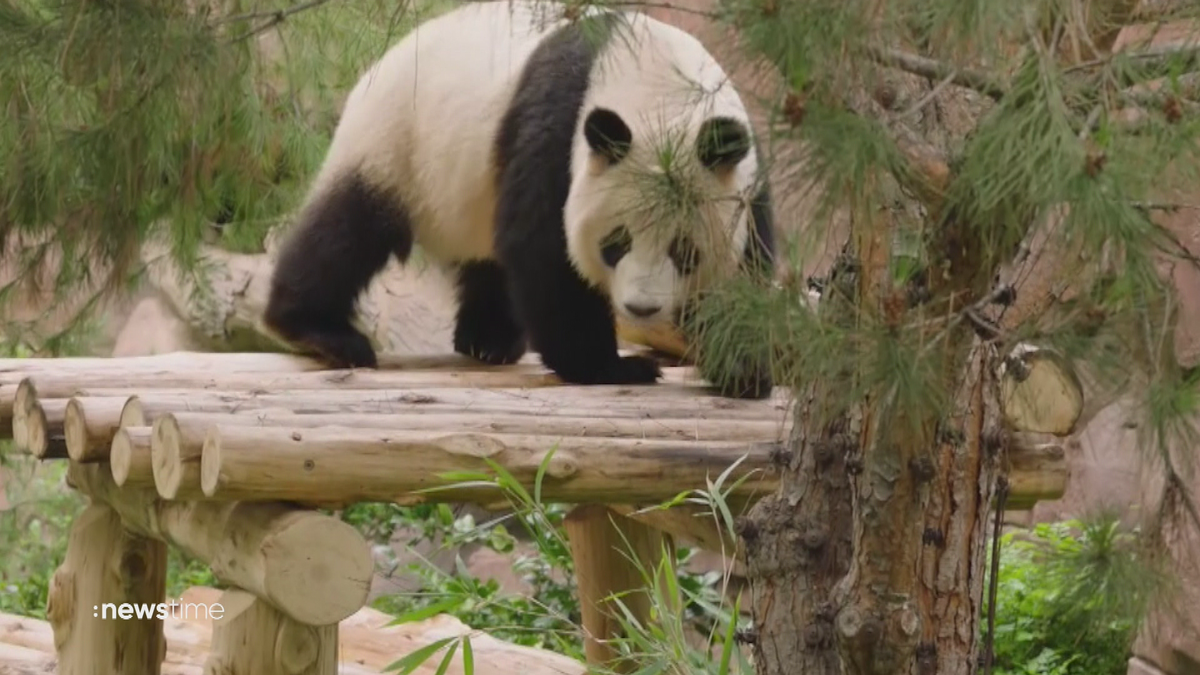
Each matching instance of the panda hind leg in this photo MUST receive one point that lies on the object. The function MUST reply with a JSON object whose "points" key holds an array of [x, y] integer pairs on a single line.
{"points": [[342, 239], [485, 327]]}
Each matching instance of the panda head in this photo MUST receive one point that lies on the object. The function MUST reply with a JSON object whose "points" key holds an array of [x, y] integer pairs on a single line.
{"points": [[652, 218]]}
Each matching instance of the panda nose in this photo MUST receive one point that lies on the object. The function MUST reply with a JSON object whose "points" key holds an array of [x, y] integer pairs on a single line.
{"points": [[642, 311]]}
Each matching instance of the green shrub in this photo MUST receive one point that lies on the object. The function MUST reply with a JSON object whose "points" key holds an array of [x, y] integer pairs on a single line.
{"points": [[1070, 599], [33, 530]]}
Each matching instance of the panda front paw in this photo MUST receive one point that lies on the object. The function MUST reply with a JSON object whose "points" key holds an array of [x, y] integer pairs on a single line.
{"points": [[632, 370], [341, 349], [618, 370], [493, 349]]}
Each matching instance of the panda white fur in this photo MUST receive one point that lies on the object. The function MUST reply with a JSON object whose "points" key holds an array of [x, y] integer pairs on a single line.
{"points": [[514, 146]]}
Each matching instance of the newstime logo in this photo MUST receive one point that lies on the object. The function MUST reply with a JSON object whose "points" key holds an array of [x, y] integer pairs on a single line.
{"points": [[128, 611]]}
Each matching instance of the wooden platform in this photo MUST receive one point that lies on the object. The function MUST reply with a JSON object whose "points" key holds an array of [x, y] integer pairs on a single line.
{"points": [[218, 423], [225, 456]]}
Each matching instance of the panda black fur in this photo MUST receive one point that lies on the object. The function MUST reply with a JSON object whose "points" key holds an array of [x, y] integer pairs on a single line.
{"points": [[487, 157]]}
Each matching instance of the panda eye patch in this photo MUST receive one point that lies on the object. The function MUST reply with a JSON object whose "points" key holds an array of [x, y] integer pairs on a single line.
{"points": [[684, 254], [615, 246]]}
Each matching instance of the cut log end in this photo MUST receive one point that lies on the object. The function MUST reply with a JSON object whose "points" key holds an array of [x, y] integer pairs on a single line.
{"points": [[132, 413], [90, 424], [167, 456], [130, 457], [1040, 391], [25, 396], [75, 430], [32, 422], [38, 426], [304, 590], [210, 462]]}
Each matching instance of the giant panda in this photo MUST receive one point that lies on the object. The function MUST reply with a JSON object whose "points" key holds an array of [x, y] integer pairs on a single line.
{"points": [[514, 143]]}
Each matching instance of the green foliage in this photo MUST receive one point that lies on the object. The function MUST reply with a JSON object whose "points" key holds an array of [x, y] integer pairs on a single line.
{"points": [[184, 571], [545, 618], [1051, 142], [377, 521], [1071, 598], [548, 616], [125, 123], [33, 530]]}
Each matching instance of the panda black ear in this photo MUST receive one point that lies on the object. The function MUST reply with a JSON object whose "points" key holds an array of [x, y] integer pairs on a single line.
{"points": [[722, 143], [607, 134]]}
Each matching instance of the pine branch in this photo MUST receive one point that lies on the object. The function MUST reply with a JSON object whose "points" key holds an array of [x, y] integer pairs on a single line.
{"points": [[655, 4], [274, 18], [936, 70], [1158, 61]]}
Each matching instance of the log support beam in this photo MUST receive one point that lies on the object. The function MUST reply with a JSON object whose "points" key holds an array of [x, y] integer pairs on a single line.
{"points": [[253, 638], [106, 566], [620, 569]]}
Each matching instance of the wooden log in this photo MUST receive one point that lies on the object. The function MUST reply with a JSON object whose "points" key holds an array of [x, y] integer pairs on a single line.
{"points": [[91, 421], [343, 465], [13, 371], [17, 660], [130, 461], [1040, 391], [314, 568], [25, 631], [105, 567], [175, 456], [89, 425], [38, 428], [179, 437], [696, 429], [68, 384], [199, 364], [593, 402], [143, 409], [604, 547], [254, 638], [1036, 469], [171, 362]]}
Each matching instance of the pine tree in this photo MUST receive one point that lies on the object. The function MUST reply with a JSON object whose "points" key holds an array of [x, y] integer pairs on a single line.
{"points": [[1038, 227], [173, 123]]}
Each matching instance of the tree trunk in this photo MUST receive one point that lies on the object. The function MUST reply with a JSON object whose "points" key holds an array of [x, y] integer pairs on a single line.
{"points": [[797, 544]]}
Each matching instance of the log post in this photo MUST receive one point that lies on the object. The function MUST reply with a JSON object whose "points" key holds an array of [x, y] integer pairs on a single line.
{"points": [[253, 638], [602, 545], [95, 632]]}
